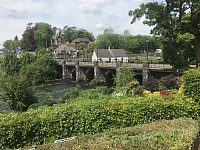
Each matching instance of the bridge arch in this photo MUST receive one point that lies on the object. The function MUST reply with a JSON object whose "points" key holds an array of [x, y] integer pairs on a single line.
{"points": [[89, 74], [110, 75], [73, 72], [139, 78]]}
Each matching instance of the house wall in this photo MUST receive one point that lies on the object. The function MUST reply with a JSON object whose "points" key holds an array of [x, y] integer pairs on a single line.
{"points": [[94, 57]]}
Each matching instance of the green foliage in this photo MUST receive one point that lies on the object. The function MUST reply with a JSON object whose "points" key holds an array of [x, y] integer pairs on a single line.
{"points": [[177, 26], [47, 124], [72, 33], [43, 34], [124, 75], [134, 88], [34, 106], [26, 59], [93, 82], [114, 41], [49, 101], [10, 64], [163, 134], [17, 92], [191, 81], [43, 69]]}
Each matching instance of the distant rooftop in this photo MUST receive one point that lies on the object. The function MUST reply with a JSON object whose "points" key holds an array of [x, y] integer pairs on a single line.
{"points": [[79, 40]]}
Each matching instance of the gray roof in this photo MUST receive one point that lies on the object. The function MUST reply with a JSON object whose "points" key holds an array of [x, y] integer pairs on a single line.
{"points": [[64, 48], [78, 40], [109, 53]]}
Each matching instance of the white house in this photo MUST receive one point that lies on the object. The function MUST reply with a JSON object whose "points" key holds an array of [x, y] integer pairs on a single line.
{"points": [[109, 55]]}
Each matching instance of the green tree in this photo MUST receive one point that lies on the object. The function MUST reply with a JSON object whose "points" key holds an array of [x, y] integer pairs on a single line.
{"points": [[43, 35], [71, 33], [28, 40], [26, 58], [17, 92], [114, 41], [124, 75], [42, 70], [170, 21], [10, 64]]}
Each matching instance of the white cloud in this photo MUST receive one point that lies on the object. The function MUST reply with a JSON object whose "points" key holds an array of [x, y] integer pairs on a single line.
{"points": [[92, 15], [100, 26]]}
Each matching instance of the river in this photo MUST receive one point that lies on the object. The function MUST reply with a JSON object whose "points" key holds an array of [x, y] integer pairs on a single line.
{"points": [[53, 89]]}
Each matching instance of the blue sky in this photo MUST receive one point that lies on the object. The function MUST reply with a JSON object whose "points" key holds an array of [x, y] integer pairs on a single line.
{"points": [[92, 15]]}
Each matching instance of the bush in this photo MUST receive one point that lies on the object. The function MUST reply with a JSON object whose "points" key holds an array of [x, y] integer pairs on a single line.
{"points": [[191, 79], [134, 88], [151, 84], [47, 124], [170, 82], [163, 134]]}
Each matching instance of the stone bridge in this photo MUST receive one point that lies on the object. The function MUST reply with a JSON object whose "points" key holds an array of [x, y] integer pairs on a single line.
{"points": [[105, 72]]}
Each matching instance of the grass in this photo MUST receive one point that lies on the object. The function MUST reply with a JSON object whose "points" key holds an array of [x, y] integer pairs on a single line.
{"points": [[164, 134]]}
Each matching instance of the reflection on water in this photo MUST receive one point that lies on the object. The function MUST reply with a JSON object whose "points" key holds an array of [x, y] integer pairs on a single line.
{"points": [[56, 89]]}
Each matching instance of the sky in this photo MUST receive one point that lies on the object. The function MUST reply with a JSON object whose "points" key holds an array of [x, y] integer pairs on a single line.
{"points": [[93, 15]]}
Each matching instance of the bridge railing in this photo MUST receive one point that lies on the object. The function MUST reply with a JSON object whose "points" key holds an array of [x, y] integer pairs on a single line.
{"points": [[114, 64]]}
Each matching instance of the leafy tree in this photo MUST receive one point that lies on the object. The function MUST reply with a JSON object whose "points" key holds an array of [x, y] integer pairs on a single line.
{"points": [[17, 92], [8, 45], [124, 75], [26, 58], [90, 47], [43, 35], [71, 33], [114, 41], [10, 64], [28, 40], [12, 44], [171, 19], [43, 69]]}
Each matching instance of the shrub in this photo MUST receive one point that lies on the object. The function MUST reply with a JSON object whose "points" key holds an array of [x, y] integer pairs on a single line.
{"points": [[134, 88], [146, 93], [47, 124], [124, 75], [191, 79], [170, 82], [151, 84], [163, 134]]}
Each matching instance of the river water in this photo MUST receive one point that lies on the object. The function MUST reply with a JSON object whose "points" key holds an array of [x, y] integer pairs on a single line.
{"points": [[56, 89], [53, 89]]}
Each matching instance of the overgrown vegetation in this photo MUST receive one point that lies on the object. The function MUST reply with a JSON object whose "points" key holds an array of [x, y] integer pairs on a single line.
{"points": [[174, 134], [89, 116], [19, 75]]}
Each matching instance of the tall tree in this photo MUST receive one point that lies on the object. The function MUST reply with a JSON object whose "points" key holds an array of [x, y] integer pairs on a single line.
{"points": [[28, 40], [169, 19], [109, 40], [43, 35]]}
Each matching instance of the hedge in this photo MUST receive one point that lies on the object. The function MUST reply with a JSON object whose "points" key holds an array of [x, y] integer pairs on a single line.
{"points": [[88, 116], [174, 134], [191, 79]]}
